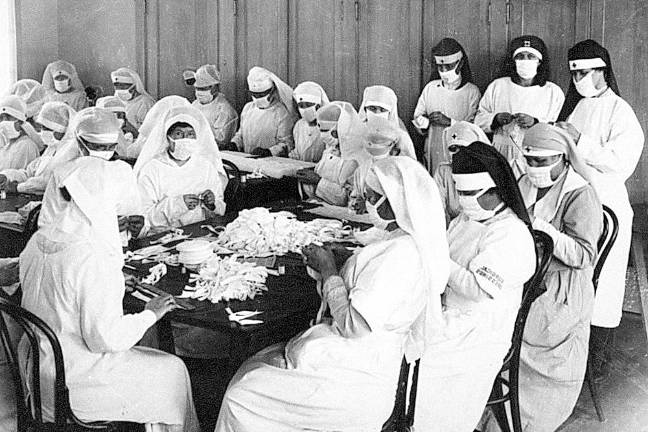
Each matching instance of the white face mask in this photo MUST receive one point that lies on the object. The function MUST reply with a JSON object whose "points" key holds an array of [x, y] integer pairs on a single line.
{"points": [[450, 77], [47, 137], [184, 148], [262, 102], [62, 86], [8, 129], [124, 95], [308, 114], [372, 115], [540, 177], [378, 151], [527, 69], [474, 210], [101, 154], [204, 96], [586, 86], [372, 211]]}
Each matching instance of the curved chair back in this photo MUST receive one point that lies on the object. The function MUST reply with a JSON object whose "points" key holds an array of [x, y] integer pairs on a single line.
{"points": [[606, 242], [31, 225], [233, 188]]}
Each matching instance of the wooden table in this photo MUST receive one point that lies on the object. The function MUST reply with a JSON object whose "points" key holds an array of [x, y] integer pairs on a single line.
{"points": [[288, 306], [257, 192], [13, 237]]}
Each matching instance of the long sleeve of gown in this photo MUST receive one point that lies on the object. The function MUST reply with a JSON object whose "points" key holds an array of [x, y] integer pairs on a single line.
{"points": [[104, 327], [350, 322], [581, 225], [620, 154], [284, 139], [486, 110], [224, 127], [336, 192], [160, 211]]}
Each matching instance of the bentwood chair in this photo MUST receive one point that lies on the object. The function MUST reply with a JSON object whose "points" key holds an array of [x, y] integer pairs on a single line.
{"points": [[507, 379], [605, 243], [233, 188], [31, 225], [29, 409]]}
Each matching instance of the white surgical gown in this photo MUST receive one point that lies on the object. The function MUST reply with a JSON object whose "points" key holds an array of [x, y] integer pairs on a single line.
{"points": [[76, 99], [76, 287], [221, 116], [336, 174], [308, 143], [163, 183], [481, 302], [329, 378], [33, 179], [269, 128], [137, 108], [612, 141], [459, 104], [17, 154]]}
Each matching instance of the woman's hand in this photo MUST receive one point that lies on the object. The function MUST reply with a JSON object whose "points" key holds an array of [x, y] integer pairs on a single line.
{"points": [[341, 253], [191, 201], [320, 259], [209, 199], [122, 222], [161, 305], [135, 224], [524, 120], [437, 118]]}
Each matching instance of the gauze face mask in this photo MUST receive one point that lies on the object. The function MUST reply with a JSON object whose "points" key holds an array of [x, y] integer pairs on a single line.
{"points": [[372, 211], [184, 148], [474, 210], [262, 102], [125, 94], [308, 114], [450, 77], [378, 151], [204, 96], [527, 69], [8, 129], [101, 154], [381, 115], [47, 137], [540, 177], [585, 87], [61, 86]]}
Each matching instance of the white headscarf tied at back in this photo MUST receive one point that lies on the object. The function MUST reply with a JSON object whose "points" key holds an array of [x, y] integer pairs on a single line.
{"points": [[129, 76], [378, 129], [99, 191], [309, 91], [155, 116], [157, 143], [57, 116], [207, 75], [350, 130], [32, 93], [384, 97], [463, 133], [61, 67], [415, 200], [258, 79]]}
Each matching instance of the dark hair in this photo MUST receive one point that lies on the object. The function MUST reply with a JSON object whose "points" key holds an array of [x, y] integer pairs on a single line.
{"points": [[544, 71], [178, 125], [449, 43]]}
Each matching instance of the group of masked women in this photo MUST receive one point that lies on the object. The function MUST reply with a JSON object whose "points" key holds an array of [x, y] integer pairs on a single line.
{"points": [[439, 277]]}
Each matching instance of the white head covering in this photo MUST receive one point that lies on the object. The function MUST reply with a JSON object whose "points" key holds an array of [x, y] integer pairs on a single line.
{"points": [[383, 131], [260, 79], [129, 76], [156, 114], [111, 103], [463, 133], [14, 106], [383, 97], [32, 93], [349, 127], [61, 67], [157, 142], [417, 206], [100, 191], [309, 91], [56, 116], [207, 75]]}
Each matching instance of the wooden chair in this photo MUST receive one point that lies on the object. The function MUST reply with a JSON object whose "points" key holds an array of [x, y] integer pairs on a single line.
{"points": [[29, 410], [604, 245], [402, 417], [233, 188], [31, 225]]}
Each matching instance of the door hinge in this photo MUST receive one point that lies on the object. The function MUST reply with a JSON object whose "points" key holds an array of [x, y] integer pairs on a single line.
{"points": [[235, 7], [357, 10], [508, 11]]}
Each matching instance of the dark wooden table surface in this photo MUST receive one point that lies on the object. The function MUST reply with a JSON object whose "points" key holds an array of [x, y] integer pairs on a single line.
{"points": [[12, 237]]}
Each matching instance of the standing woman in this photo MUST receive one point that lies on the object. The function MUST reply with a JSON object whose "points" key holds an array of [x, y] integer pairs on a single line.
{"points": [[610, 141], [62, 84], [450, 96], [129, 88], [309, 97], [523, 97]]}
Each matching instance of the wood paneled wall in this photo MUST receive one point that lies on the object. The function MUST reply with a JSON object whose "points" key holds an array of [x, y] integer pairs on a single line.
{"points": [[344, 45]]}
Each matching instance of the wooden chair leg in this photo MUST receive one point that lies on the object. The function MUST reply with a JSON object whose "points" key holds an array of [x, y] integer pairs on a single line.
{"points": [[594, 393], [499, 410]]}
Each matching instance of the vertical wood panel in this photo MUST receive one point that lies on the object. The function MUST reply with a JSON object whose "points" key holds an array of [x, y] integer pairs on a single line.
{"points": [[625, 35], [554, 21], [390, 49], [226, 48], [347, 85], [36, 36], [152, 69]]}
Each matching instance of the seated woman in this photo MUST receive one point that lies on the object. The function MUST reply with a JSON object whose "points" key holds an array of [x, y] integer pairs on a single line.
{"points": [[309, 97], [555, 345], [460, 134], [62, 84], [53, 121], [71, 276], [320, 380], [381, 103], [266, 122], [340, 131], [180, 172], [481, 301], [34, 95], [128, 132], [17, 149], [130, 89], [220, 114]]}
